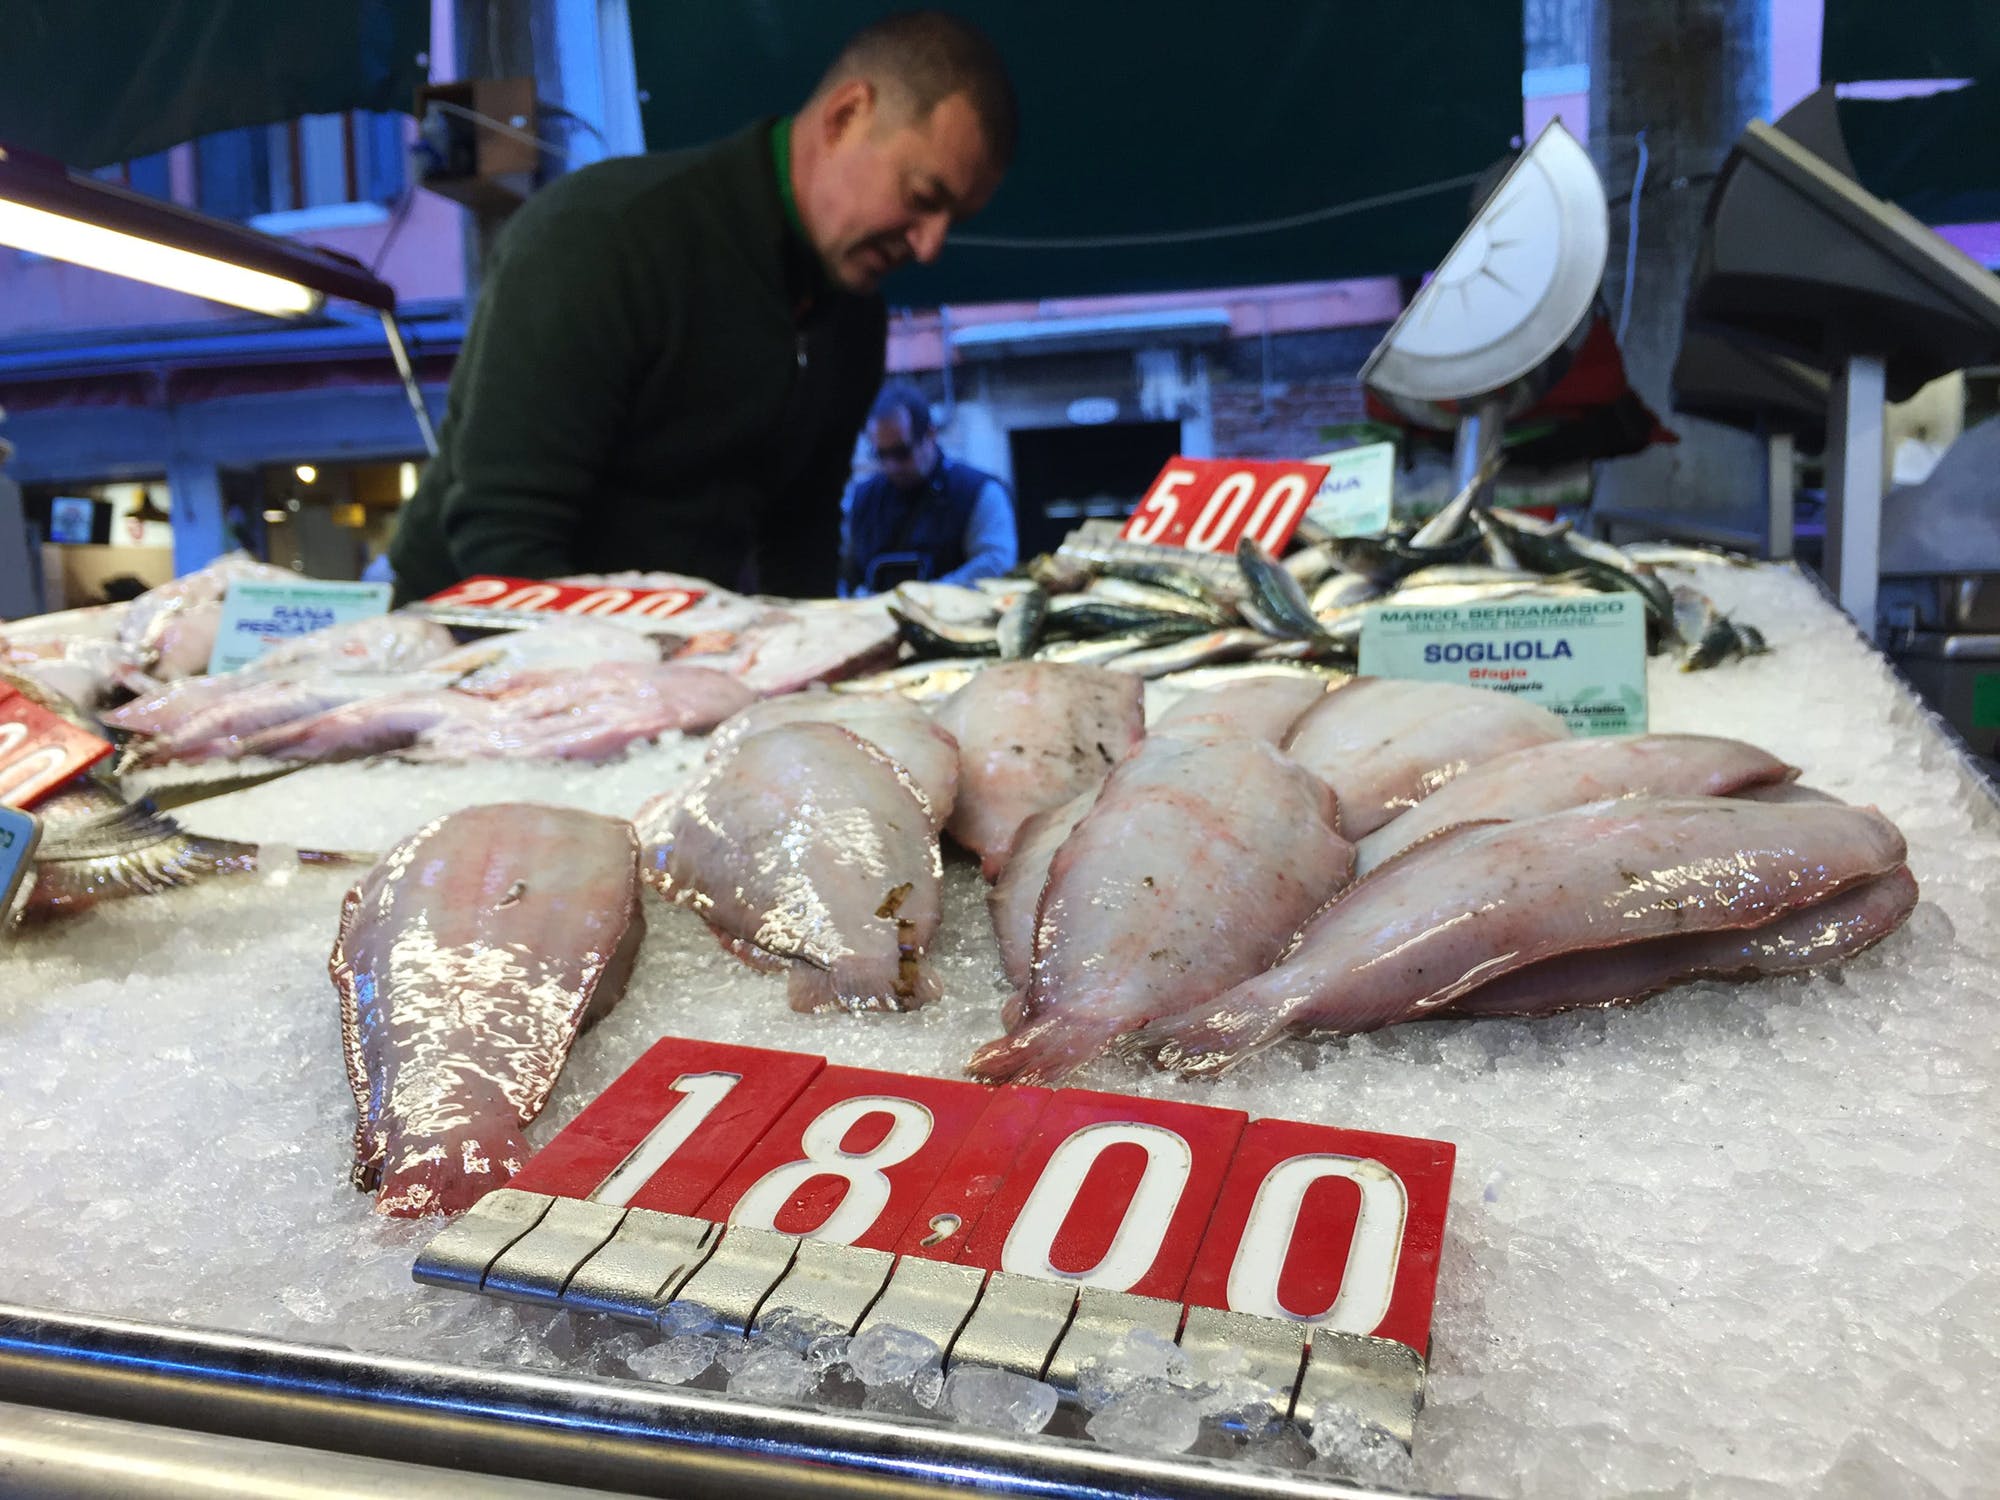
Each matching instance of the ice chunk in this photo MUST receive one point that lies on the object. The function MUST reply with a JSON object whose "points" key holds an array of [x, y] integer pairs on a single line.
{"points": [[1138, 1358], [999, 1400], [1351, 1448], [1150, 1419], [883, 1355], [678, 1360], [771, 1372]]}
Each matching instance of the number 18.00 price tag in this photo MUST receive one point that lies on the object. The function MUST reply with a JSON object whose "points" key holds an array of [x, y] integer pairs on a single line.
{"points": [[1209, 504]]}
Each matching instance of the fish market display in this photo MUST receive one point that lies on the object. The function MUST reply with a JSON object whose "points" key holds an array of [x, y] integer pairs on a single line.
{"points": [[788, 649], [1384, 745], [1261, 708], [1477, 903], [807, 849], [171, 629], [586, 716], [467, 962], [1568, 773], [893, 725], [1197, 862], [1031, 735]]}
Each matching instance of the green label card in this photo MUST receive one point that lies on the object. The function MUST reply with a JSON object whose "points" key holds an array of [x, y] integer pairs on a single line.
{"points": [[1353, 499], [256, 615], [1583, 658]]}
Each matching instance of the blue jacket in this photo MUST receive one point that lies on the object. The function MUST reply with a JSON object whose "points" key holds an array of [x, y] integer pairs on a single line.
{"points": [[896, 535]]}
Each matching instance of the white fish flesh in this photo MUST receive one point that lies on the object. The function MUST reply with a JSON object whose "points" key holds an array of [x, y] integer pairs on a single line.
{"points": [[895, 726], [1481, 901], [1546, 778], [1260, 708], [467, 962], [1031, 735], [587, 716], [1198, 861], [1384, 745], [807, 849], [789, 649], [1018, 891]]}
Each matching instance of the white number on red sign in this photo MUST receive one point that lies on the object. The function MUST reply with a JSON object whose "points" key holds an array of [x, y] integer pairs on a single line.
{"points": [[1156, 512], [700, 1093], [1370, 1278], [868, 1187], [1031, 1242]]}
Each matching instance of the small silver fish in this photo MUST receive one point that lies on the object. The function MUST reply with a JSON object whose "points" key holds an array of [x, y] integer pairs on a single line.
{"points": [[1276, 603], [1022, 623], [1161, 600], [1341, 590], [919, 680], [1101, 650], [1197, 650], [1309, 565], [928, 635], [1493, 539], [1677, 555]]}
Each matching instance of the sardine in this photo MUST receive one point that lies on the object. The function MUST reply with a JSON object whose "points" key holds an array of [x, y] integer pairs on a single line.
{"points": [[1341, 590], [1175, 577], [1101, 651], [467, 962], [1032, 735], [1196, 650], [928, 635], [1471, 575], [1085, 615], [1274, 601], [1384, 745], [1160, 600], [1194, 866], [1494, 540], [1021, 624], [1310, 565], [1481, 901], [1681, 555], [806, 849], [920, 681], [1546, 778]]}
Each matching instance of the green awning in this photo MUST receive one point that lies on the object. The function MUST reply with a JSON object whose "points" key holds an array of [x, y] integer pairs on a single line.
{"points": [[1158, 123], [1937, 157], [91, 82], [1866, 39]]}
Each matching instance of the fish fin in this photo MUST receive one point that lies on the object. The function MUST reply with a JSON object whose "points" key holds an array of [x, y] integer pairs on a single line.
{"points": [[449, 1173], [993, 862], [1014, 1009], [1204, 1042], [1046, 1050], [760, 959]]}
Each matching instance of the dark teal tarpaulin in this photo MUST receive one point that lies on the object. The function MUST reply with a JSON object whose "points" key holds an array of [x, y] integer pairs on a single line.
{"points": [[1159, 120], [1937, 157], [1865, 39], [91, 82]]}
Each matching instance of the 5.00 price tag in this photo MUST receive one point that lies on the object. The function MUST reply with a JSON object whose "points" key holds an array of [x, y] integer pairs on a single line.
{"points": [[1209, 504], [38, 751]]}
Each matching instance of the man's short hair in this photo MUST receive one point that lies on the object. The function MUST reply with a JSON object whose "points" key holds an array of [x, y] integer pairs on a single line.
{"points": [[910, 403], [930, 56]]}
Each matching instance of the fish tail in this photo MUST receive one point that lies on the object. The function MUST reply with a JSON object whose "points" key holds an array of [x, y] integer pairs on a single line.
{"points": [[448, 1172], [1204, 1042], [1044, 1051], [904, 983]]}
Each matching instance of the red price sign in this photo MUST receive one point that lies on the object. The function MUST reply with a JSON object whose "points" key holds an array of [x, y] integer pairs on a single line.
{"points": [[526, 595], [38, 751], [1209, 504], [1336, 1228]]}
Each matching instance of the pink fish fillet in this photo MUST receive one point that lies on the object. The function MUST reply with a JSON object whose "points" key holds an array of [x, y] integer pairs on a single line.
{"points": [[467, 962], [369, 727], [807, 849], [1018, 892], [1197, 863], [1827, 932], [891, 723], [1481, 901], [1568, 773], [1263, 708], [1384, 745], [589, 715], [1032, 735]]}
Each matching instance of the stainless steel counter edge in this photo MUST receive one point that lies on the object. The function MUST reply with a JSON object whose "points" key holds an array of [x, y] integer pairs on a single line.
{"points": [[626, 1437]]}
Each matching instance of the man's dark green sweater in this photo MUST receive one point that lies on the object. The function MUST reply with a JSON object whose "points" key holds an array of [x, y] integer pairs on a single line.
{"points": [[658, 376]]}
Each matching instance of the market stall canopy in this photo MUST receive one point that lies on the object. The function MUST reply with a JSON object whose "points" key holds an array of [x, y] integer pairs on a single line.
{"points": [[1910, 39], [1330, 140], [117, 79]]}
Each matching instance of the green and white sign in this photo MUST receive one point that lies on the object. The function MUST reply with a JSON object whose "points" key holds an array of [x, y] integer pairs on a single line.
{"points": [[1583, 658], [1353, 499], [257, 615]]}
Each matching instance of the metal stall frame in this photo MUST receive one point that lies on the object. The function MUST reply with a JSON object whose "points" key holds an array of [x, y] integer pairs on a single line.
{"points": [[624, 1437]]}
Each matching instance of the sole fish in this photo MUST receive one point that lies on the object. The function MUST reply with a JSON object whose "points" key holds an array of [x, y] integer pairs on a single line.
{"points": [[1261, 708], [1018, 891], [895, 726], [1384, 745], [807, 849], [1568, 773], [1198, 861], [1830, 932], [1482, 901], [1032, 735], [467, 962]]}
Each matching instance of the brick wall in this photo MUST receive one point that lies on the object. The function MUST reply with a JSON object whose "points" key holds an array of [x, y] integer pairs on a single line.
{"points": [[1286, 424]]}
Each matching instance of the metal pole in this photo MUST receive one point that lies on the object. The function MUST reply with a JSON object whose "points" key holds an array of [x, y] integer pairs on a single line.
{"points": [[1476, 452], [1854, 487], [1780, 479], [630, 1436], [400, 352]]}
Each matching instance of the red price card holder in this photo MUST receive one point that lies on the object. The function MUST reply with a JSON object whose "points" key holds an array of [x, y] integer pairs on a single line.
{"points": [[853, 1157], [1110, 1192], [1334, 1228], [1209, 504], [39, 751], [670, 1127], [943, 1224], [487, 591]]}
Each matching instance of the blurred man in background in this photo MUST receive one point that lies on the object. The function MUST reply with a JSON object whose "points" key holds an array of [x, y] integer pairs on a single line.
{"points": [[922, 515]]}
